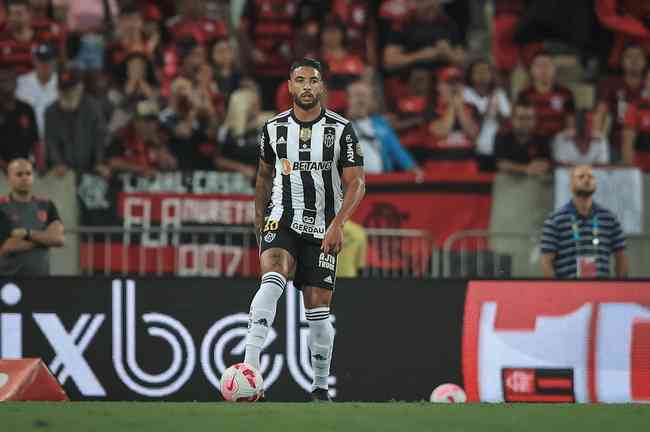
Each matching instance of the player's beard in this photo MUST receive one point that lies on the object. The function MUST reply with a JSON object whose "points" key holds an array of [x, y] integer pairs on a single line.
{"points": [[306, 105]]}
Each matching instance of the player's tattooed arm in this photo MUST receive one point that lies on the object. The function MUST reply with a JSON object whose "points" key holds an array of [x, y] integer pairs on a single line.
{"points": [[263, 188]]}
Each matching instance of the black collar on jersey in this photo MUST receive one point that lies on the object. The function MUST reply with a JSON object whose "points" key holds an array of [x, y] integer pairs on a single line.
{"points": [[309, 123]]}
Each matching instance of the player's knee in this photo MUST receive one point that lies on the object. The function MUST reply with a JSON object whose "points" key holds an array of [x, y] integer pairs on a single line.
{"points": [[277, 261]]}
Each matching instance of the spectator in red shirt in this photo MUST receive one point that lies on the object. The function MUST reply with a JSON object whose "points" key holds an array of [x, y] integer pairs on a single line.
{"points": [[344, 68], [130, 38], [20, 37], [3, 15], [554, 105], [266, 42], [615, 93], [357, 16], [392, 16], [139, 148], [195, 68], [454, 127], [409, 113], [636, 132], [629, 20], [193, 22], [506, 53]]}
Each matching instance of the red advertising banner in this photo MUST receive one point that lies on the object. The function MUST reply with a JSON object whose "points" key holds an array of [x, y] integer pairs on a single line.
{"points": [[550, 341], [440, 205]]}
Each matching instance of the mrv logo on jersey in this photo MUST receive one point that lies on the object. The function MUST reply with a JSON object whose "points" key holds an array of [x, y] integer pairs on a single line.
{"points": [[288, 166]]}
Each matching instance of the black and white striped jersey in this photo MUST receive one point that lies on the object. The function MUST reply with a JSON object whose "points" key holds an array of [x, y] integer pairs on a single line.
{"points": [[309, 159]]}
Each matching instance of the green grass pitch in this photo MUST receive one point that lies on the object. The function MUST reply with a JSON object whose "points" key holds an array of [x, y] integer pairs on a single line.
{"points": [[289, 417]]}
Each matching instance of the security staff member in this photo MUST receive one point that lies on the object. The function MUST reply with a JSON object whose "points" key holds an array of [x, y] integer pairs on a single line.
{"points": [[579, 239], [29, 226]]}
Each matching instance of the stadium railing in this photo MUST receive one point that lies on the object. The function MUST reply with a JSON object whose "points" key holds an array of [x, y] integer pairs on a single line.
{"points": [[482, 253], [391, 253]]}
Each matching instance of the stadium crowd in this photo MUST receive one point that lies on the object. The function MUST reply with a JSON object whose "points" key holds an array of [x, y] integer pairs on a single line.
{"points": [[146, 86]]}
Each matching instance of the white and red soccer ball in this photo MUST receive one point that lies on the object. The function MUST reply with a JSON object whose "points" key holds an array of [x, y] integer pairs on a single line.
{"points": [[241, 383], [448, 393]]}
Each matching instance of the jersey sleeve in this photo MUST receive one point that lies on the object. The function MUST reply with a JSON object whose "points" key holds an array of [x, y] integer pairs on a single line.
{"points": [[52, 213], [266, 151], [351, 154]]}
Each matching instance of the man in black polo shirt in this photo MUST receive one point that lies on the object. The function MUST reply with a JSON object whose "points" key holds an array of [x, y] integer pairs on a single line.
{"points": [[579, 238], [518, 150], [29, 226]]}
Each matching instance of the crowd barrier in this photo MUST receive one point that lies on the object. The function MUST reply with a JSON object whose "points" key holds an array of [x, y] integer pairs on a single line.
{"points": [[171, 339], [198, 223]]}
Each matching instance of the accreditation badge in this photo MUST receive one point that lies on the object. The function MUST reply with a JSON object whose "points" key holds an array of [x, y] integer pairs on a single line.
{"points": [[587, 267]]}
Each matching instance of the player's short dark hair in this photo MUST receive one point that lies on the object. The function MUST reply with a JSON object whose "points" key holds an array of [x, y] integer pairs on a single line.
{"points": [[308, 62]]}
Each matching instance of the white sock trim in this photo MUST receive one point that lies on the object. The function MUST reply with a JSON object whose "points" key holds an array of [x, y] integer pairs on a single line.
{"points": [[317, 314]]}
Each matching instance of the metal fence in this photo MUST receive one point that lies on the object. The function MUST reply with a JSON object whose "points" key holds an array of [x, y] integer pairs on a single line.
{"points": [[391, 253], [481, 253]]}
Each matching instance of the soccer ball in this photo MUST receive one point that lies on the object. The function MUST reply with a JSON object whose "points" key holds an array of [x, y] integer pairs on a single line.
{"points": [[241, 383], [448, 393]]}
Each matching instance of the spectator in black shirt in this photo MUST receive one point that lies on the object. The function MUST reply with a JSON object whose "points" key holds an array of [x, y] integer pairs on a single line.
{"points": [[226, 73], [186, 127], [428, 38], [239, 137], [18, 128], [519, 150]]}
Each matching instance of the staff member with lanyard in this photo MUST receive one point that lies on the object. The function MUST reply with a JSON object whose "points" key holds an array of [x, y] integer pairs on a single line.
{"points": [[579, 238]]}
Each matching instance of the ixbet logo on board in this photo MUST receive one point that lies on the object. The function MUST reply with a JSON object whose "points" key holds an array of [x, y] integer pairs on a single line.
{"points": [[112, 343]]}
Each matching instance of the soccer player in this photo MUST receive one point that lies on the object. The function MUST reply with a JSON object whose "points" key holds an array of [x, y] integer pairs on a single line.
{"points": [[308, 157]]}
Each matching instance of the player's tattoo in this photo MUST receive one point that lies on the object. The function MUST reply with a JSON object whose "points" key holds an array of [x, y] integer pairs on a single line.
{"points": [[275, 258], [263, 188]]}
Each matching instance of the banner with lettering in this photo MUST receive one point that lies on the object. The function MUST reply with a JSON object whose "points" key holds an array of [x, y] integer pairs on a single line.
{"points": [[211, 214], [188, 224]]}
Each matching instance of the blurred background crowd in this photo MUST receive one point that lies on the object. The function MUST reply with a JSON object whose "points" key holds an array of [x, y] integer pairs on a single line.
{"points": [[457, 87]]}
